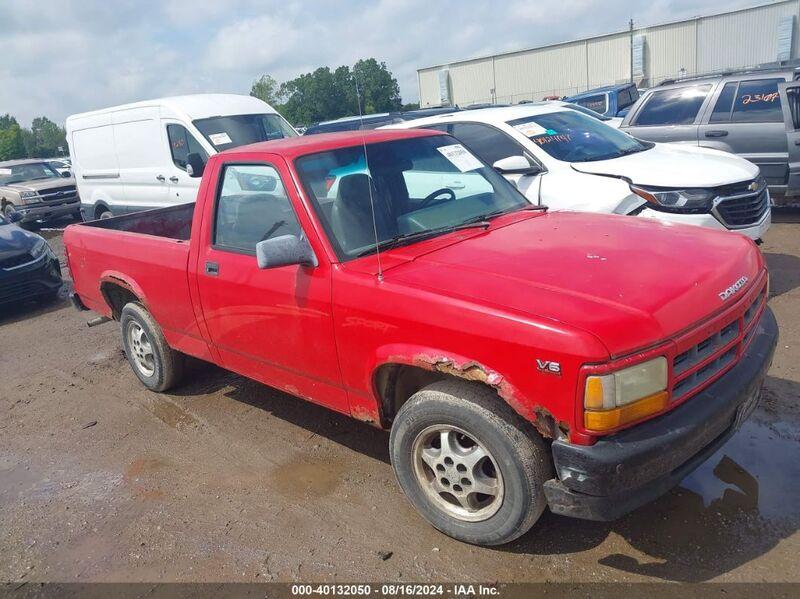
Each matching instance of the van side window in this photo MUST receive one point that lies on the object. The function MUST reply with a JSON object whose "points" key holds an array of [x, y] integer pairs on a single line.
{"points": [[252, 206], [722, 109], [181, 144], [677, 106], [757, 101]]}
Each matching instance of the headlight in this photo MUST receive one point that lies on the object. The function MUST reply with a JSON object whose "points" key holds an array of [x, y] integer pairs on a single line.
{"points": [[624, 396], [677, 200], [28, 195], [40, 248]]}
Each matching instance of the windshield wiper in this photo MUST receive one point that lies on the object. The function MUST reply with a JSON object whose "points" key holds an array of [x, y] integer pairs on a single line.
{"points": [[398, 240]]}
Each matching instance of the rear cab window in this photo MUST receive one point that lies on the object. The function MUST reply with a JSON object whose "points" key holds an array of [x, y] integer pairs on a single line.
{"points": [[598, 103], [749, 101], [676, 106]]}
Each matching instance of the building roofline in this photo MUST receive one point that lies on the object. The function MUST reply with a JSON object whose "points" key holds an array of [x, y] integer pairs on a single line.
{"points": [[601, 35]]}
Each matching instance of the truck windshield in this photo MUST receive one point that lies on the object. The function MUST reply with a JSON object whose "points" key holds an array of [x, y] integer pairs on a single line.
{"points": [[573, 137], [405, 191], [225, 132], [32, 171]]}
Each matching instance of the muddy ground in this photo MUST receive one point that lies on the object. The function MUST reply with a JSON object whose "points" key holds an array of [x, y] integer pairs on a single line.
{"points": [[228, 480]]}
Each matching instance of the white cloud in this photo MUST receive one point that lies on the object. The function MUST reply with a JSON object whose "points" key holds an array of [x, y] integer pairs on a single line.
{"points": [[75, 55]]}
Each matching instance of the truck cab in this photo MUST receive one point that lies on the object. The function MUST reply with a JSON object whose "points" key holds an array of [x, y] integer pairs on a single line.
{"points": [[610, 100]]}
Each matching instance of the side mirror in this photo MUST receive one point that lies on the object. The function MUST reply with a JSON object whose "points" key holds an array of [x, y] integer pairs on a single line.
{"points": [[285, 250], [516, 165], [66, 174], [195, 165], [14, 216]]}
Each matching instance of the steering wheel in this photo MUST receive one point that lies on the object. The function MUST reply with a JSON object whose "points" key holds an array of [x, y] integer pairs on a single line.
{"points": [[439, 192]]}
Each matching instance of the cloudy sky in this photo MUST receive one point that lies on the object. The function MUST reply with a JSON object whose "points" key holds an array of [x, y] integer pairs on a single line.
{"points": [[74, 55]]}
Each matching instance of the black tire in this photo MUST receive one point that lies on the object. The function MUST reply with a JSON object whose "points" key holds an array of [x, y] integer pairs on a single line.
{"points": [[520, 453], [167, 364], [104, 213]]}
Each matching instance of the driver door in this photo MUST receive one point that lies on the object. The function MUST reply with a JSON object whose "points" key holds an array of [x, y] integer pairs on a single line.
{"points": [[274, 325], [790, 105]]}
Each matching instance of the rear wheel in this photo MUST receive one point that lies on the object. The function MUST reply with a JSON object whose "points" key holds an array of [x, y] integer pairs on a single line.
{"points": [[152, 360], [470, 465], [103, 213]]}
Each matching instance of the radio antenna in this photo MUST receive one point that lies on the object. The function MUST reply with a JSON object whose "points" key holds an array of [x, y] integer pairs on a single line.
{"points": [[369, 178]]}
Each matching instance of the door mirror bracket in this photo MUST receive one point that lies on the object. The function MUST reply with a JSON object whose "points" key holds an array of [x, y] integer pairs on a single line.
{"points": [[195, 165], [284, 251], [516, 165]]}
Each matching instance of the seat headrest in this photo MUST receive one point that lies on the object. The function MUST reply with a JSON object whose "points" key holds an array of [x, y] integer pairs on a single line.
{"points": [[355, 189]]}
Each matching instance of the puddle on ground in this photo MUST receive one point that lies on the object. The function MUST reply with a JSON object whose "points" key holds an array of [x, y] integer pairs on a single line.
{"points": [[170, 414], [138, 476], [757, 470], [301, 479]]}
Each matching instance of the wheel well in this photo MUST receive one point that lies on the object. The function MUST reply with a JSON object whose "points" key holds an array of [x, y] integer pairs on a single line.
{"points": [[100, 208], [396, 383], [116, 297]]}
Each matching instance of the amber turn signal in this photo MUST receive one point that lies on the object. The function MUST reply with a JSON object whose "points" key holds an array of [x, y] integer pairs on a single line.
{"points": [[606, 420]]}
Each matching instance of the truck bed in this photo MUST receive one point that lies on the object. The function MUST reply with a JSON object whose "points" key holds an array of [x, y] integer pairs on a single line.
{"points": [[174, 222]]}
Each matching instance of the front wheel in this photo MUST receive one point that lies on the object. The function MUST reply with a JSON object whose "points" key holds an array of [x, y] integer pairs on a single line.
{"points": [[155, 363], [470, 465]]}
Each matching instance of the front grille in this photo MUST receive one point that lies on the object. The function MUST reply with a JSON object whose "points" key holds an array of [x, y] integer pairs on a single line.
{"points": [[743, 210], [698, 364], [59, 194], [15, 261], [20, 289]]}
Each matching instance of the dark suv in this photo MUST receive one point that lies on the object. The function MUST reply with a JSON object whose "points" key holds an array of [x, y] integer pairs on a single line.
{"points": [[735, 112]]}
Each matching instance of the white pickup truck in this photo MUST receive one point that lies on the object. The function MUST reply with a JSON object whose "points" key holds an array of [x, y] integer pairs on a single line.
{"points": [[569, 161]]}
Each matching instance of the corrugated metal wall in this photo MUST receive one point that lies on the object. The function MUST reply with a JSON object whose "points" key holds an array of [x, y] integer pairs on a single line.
{"points": [[731, 40]]}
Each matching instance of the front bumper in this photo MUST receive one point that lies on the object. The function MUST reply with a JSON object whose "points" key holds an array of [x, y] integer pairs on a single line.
{"points": [[41, 212], [756, 231], [39, 278], [621, 472]]}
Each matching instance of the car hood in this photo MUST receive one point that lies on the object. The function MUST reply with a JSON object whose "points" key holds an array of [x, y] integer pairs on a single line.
{"points": [[41, 184], [630, 282], [15, 241], [676, 166]]}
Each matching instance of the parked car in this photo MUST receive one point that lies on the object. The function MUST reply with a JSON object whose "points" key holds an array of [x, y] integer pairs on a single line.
{"points": [[614, 121], [37, 191], [28, 267], [609, 100], [373, 121], [521, 359], [735, 112], [569, 161], [133, 157]]}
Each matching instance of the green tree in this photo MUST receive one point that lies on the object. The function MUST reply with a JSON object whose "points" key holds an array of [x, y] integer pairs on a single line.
{"points": [[379, 91], [47, 137], [267, 89], [11, 145], [6, 121], [410, 106]]}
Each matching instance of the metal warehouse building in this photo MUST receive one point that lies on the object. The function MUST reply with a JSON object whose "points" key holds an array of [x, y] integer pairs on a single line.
{"points": [[646, 55]]}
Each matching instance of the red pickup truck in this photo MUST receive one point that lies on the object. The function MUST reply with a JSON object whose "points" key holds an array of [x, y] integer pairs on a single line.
{"points": [[521, 359]]}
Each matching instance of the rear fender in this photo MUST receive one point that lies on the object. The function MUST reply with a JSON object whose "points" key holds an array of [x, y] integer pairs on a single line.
{"points": [[121, 280]]}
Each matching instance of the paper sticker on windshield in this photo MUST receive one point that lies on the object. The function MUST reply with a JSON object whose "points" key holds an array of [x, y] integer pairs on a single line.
{"points": [[460, 157], [530, 129], [220, 139]]}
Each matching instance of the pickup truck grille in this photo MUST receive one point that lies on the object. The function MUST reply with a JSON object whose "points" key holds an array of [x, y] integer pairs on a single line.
{"points": [[700, 363], [60, 195], [742, 208]]}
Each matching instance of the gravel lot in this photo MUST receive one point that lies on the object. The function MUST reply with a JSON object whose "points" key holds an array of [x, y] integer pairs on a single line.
{"points": [[228, 480]]}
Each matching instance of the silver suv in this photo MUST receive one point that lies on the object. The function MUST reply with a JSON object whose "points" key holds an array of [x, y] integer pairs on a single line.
{"points": [[739, 112], [36, 191]]}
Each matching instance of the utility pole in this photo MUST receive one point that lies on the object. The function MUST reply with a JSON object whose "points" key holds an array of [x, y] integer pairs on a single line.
{"points": [[630, 26]]}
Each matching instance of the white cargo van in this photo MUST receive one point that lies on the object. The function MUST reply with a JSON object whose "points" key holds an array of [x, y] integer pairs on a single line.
{"points": [[133, 157]]}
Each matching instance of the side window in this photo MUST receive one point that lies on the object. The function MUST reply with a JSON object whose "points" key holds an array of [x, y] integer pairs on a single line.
{"points": [[757, 101], [181, 144], [596, 103], [722, 109], [252, 206], [677, 106], [626, 97], [488, 143]]}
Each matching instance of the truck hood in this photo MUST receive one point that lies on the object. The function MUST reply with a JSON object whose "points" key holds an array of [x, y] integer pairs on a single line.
{"points": [[630, 282], [15, 241], [41, 184], [676, 166]]}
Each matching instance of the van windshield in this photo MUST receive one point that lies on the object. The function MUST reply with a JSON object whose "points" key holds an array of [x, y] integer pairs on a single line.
{"points": [[573, 137], [226, 132]]}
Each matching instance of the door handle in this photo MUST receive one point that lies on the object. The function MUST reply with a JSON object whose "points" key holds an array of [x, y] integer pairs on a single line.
{"points": [[716, 133], [174, 179], [160, 178], [456, 185], [212, 268]]}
